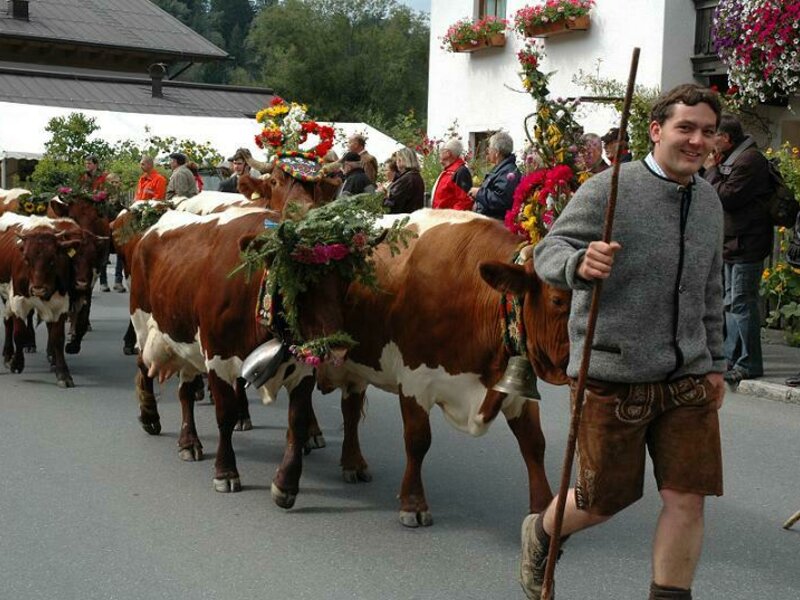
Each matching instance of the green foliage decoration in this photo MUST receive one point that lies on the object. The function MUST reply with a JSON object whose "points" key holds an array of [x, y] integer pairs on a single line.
{"points": [[338, 238], [143, 215], [643, 99]]}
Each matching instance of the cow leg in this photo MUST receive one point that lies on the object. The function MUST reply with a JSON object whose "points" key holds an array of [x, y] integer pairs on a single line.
{"points": [[286, 483], [17, 362], [189, 446], [148, 409], [78, 327], [417, 434], [8, 342], [315, 440], [55, 342], [129, 340], [528, 431], [243, 423], [30, 342], [226, 477], [354, 467]]}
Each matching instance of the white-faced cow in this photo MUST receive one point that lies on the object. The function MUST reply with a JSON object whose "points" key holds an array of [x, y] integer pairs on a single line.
{"points": [[431, 332], [43, 263]]}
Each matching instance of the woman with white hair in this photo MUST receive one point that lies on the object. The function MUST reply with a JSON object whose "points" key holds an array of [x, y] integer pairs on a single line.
{"points": [[496, 194], [407, 192], [451, 189]]}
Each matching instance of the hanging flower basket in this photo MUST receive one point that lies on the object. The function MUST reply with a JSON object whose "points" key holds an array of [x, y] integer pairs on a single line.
{"points": [[757, 40], [498, 40], [559, 27]]}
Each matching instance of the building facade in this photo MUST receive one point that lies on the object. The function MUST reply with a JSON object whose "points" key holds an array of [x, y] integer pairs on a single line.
{"points": [[482, 91]]}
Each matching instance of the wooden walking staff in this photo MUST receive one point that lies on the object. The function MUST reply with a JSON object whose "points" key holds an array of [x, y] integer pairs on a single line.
{"points": [[555, 539]]}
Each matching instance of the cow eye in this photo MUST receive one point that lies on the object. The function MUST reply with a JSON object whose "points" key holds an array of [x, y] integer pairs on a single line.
{"points": [[559, 302]]}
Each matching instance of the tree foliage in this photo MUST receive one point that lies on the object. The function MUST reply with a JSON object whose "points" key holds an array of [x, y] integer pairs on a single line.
{"points": [[361, 60], [349, 59]]}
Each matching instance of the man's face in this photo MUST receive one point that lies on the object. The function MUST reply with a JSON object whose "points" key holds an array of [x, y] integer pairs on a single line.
{"points": [[354, 145], [238, 166], [173, 164], [446, 157], [146, 165], [683, 142], [722, 142], [90, 166]]}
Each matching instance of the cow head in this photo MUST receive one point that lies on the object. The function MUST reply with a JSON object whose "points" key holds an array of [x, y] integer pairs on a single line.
{"points": [[545, 315], [46, 256], [85, 250]]}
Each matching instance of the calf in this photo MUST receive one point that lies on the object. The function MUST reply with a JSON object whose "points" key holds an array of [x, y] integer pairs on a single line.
{"points": [[431, 332], [44, 261]]}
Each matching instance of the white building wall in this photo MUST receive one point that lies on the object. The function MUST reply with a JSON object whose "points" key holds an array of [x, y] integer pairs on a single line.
{"points": [[482, 89]]}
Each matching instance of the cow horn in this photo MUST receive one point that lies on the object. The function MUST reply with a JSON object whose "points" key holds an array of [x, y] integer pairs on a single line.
{"points": [[526, 253], [261, 167]]}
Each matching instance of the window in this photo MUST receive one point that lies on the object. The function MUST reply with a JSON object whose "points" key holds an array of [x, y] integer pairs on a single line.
{"points": [[492, 8], [703, 44], [479, 142]]}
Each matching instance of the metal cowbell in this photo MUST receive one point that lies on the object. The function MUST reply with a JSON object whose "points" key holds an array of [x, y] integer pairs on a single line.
{"points": [[263, 362], [518, 379]]}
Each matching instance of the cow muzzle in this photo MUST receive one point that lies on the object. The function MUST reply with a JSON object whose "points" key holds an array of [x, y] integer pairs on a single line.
{"points": [[38, 291]]}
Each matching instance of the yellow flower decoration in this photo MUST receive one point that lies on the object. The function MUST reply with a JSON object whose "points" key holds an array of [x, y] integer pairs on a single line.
{"points": [[765, 275]]}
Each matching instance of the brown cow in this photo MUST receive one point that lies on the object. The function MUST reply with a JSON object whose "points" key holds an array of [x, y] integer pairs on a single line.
{"points": [[9, 199], [89, 216], [186, 328], [431, 332], [44, 262]]}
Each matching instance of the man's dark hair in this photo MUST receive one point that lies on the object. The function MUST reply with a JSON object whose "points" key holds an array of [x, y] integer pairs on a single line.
{"points": [[92, 159], [612, 136], [241, 154], [732, 126], [351, 157], [689, 94], [179, 157]]}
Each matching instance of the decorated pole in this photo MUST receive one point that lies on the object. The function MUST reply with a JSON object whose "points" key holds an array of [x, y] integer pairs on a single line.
{"points": [[555, 539]]}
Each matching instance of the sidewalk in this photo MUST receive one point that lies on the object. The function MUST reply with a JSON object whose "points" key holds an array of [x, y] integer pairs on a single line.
{"points": [[780, 361]]}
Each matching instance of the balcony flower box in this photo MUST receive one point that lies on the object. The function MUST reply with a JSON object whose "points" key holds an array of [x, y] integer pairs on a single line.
{"points": [[559, 27], [498, 40], [553, 17], [468, 36]]}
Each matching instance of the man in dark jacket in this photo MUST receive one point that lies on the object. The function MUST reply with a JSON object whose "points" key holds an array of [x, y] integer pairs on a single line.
{"points": [[355, 179], [742, 181], [496, 194]]}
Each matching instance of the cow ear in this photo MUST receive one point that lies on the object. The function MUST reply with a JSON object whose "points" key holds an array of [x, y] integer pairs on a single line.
{"points": [[506, 278], [61, 209]]}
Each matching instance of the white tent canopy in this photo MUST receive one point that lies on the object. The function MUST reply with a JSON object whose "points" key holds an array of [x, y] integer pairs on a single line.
{"points": [[23, 134]]}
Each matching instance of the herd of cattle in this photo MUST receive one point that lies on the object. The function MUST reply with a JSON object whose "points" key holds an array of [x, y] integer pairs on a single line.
{"points": [[430, 331]]}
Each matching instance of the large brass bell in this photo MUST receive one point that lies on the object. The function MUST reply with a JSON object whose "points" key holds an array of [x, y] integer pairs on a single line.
{"points": [[519, 379]]}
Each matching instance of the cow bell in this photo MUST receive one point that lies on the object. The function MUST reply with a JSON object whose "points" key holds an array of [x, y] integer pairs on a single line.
{"points": [[519, 379], [263, 362]]}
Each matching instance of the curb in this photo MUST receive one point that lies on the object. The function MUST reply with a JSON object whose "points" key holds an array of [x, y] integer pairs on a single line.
{"points": [[769, 391]]}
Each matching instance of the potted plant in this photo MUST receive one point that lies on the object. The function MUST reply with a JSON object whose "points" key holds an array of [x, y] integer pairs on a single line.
{"points": [[466, 35], [757, 40], [553, 17]]}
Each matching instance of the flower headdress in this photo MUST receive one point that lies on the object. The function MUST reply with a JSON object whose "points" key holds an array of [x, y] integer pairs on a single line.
{"points": [[286, 126]]}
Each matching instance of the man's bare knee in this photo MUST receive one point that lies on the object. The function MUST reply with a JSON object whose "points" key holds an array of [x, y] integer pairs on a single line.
{"points": [[687, 504]]}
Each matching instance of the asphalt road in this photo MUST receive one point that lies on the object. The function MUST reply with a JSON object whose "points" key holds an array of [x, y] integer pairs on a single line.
{"points": [[91, 507]]}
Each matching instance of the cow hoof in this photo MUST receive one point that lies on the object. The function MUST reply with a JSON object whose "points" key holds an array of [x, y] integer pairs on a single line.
{"points": [[281, 498], [192, 454], [416, 519], [356, 475], [72, 347], [243, 425], [227, 485], [151, 427], [314, 442], [66, 382], [128, 350], [29, 349]]}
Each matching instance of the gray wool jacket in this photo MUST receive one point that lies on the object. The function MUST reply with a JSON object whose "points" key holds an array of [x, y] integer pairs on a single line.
{"points": [[660, 312]]}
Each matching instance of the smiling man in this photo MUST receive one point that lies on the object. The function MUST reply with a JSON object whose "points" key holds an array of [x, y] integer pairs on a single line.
{"points": [[655, 378]]}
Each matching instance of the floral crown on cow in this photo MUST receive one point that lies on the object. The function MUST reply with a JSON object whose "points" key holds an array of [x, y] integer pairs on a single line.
{"points": [[34, 205]]}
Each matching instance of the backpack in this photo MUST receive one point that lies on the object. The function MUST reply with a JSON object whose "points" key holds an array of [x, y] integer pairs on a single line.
{"points": [[781, 204]]}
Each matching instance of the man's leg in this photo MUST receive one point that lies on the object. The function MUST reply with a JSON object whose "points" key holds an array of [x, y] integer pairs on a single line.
{"points": [[745, 313], [731, 345], [678, 540], [575, 519]]}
